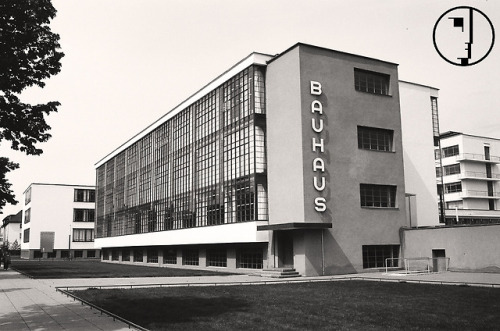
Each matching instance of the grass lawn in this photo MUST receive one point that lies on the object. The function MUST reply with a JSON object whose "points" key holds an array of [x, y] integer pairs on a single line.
{"points": [[97, 269], [348, 305]]}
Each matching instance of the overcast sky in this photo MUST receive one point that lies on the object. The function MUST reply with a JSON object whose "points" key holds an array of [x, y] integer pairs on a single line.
{"points": [[129, 62]]}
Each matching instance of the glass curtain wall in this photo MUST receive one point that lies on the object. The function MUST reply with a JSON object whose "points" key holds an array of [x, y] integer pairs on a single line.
{"points": [[205, 166]]}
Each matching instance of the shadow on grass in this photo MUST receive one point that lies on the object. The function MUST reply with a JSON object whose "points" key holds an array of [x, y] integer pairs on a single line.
{"points": [[54, 269], [183, 309]]}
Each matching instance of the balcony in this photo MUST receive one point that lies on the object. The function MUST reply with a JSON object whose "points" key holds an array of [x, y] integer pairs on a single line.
{"points": [[479, 176], [477, 158], [473, 194]]}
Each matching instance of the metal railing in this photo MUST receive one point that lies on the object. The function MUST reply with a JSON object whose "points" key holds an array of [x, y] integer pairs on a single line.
{"points": [[418, 264], [479, 194], [477, 157], [474, 174]]}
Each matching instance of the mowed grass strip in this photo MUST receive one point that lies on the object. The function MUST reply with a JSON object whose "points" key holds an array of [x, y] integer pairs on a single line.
{"points": [[55, 269], [347, 305]]}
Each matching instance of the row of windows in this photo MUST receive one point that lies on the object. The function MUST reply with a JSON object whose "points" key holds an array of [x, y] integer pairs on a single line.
{"points": [[249, 258], [65, 254], [83, 195], [452, 169], [83, 235], [450, 187], [447, 152], [83, 215]]}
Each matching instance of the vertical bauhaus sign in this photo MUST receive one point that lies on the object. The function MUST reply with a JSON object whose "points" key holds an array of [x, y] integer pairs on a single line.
{"points": [[318, 146]]}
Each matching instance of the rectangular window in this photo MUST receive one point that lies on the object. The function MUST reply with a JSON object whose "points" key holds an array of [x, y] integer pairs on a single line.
{"points": [[27, 215], [251, 258], [115, 255], [27, 196], [83, 235], [371, 82], [450, 151], [84, 195], [216, 257], [378, 196], [78, 254], [126, 255], [453, 187], [375, 139], [190, 257], [83, 215], [26, 237], [170, 256], [452, 169], [91, 254], [138, 255], [152, 255], [374, 256]]}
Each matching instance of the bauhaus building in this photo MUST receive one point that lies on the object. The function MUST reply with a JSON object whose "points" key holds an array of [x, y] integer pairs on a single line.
{"points": [[293, 160]]}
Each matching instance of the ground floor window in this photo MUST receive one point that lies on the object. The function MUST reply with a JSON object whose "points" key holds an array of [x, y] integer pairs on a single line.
{"points": [[51, 255], [251, 258], [190, 257], [91, 254], [216, 257], [64, 254], [138, 255], [170, 256], [126, 255], [78, 254], [375, 256], [38, 254], [105, 254], [115, 255], [152, 255]]}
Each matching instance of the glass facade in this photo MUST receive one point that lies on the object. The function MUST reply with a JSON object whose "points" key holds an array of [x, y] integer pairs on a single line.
{"points": [[205, 166]]}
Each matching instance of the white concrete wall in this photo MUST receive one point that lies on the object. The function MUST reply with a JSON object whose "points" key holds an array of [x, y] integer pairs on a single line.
{"points": [[418, 149], [468, 247]]}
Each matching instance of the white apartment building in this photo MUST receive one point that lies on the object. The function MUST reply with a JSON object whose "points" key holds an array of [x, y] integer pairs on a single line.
{"points": [[469, 174], [10, 230], [58, 221]]}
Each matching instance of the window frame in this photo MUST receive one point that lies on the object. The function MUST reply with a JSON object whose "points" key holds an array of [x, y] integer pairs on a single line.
{"points": [[381, 196], [375, 139], [372, 82]]}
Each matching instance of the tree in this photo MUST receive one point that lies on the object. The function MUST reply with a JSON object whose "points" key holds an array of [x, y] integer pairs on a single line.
{"points": [[6, 194], [29, 53]]}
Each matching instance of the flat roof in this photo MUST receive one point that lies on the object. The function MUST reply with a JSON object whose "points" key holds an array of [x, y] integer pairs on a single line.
{"points": [[48, 184], [449, 134], [327, 49], [254, 58], [423, 85]]}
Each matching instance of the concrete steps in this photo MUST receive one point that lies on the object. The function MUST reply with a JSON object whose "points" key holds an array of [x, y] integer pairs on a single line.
{"points": [[280, 273]]}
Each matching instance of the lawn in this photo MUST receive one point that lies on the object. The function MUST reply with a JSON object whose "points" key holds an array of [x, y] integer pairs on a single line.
{"points": [[347, 305], [97, 269]]}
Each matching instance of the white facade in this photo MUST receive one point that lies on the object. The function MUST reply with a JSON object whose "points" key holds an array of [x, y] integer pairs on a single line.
{"points": [[11, 229], [54, 223], [418, 152], [471, 176]]}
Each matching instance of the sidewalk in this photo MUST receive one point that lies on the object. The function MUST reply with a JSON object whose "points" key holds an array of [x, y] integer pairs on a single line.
{"points": [[29, 304]]}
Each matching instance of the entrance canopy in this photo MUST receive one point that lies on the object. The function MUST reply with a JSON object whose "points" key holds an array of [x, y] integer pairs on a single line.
{"points": [[294, 226]]}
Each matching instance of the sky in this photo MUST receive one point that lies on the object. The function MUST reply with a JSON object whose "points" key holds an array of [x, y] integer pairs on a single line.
{"points": [[128, 62]]}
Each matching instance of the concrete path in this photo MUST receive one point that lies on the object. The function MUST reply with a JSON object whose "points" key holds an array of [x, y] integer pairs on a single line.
{"points": [[29, 304]]}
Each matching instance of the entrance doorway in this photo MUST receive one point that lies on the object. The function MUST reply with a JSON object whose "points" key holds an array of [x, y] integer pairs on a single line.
{"points": [[438, 260], [285, 249]]}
